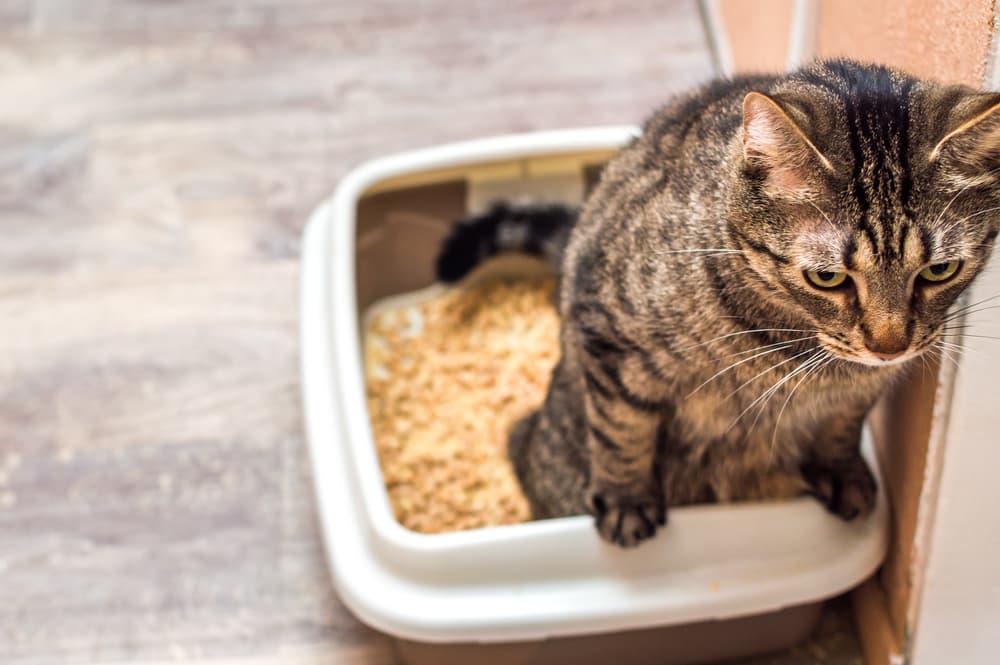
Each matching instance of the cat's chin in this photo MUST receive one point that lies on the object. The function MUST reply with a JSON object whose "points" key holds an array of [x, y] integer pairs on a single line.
{"points": [[878, 362]]}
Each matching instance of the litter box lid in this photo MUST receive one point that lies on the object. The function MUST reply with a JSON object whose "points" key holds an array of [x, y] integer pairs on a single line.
{"points": [[540, 579]]}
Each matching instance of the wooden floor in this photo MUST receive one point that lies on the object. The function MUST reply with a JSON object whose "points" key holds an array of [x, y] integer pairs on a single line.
{"points": [[157, 163]]}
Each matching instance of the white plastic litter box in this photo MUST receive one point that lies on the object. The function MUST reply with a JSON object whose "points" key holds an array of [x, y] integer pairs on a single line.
{"points": [[720, 581]]}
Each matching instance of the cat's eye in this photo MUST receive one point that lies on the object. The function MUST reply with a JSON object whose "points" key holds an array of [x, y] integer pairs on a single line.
{"points": [[940, 272], [826, 279]]}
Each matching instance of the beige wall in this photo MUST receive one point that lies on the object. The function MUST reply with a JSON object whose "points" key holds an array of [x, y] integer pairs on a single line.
{"points": [[757, 33], [946, 40]]}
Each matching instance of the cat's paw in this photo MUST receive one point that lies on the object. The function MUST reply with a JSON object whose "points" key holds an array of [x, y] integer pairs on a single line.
{"points": [[846, 488], [624, 518]]}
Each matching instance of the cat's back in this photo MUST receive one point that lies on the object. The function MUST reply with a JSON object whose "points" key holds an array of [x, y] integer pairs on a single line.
{"points": [[681, 147], [692, 129], [702, 116], [669, 166]]}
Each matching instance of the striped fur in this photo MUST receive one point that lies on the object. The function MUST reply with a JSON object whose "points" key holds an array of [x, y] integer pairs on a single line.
{"points": [[699, 363]]}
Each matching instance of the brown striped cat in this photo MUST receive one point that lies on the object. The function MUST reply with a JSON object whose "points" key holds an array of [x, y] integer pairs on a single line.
{"points": [[747, 278]]}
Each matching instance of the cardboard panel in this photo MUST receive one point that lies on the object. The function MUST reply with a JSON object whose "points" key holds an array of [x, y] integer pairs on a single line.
{"points": [[901, 425], [394, 225]]}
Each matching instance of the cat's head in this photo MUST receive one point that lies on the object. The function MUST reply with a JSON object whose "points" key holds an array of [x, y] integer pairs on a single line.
{"points": [[867, 200]]}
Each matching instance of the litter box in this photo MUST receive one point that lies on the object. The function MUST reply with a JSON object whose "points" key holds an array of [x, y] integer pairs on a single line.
{"points": [[719, 582]]}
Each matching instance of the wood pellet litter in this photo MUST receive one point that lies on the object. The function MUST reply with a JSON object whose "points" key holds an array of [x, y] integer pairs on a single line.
{"points": [[446, 379]]}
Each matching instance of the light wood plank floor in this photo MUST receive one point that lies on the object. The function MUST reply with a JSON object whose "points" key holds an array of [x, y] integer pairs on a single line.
{"points": [[157, 163]]}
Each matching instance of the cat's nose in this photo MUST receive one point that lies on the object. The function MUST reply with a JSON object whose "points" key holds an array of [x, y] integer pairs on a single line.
{"points": [[887, 339]]}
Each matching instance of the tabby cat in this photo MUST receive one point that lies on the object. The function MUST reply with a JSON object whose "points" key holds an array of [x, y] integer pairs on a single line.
{"points": [[749, 275]]}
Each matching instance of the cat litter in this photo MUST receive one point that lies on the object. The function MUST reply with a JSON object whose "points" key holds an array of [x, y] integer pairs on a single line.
{"points": [[448, 373]]}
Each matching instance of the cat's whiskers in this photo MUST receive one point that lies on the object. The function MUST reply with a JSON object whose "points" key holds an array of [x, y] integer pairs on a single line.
{"points": [[943, 354], [825, 216], [710, 251], [743, 332], [737, 364], [758, 352], [962, 335], [968, 310], [765, 346], [770, 369], [960, 349], [819, 366], [956, 350], [955, 224], [968, 324], [923, 367], [937, 219], [962, 316], [765, 397], [978, 302], [951, 345]]}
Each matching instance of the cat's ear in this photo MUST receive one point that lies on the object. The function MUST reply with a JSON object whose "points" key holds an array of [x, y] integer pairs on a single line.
{"points": [[970, 150], [774, 143]]}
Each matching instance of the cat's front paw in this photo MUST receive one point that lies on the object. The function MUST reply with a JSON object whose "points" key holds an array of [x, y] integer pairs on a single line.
{"points": [[627, 518], [846, 488]]}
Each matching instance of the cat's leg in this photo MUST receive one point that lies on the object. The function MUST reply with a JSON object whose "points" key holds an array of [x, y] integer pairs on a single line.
{"points": [[624, 405], [836, 472], [625, 492], [547, 451], [550, 467]]}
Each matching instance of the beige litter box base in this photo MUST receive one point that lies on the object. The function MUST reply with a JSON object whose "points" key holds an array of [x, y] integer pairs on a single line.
{"points": [[690, 644]]}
